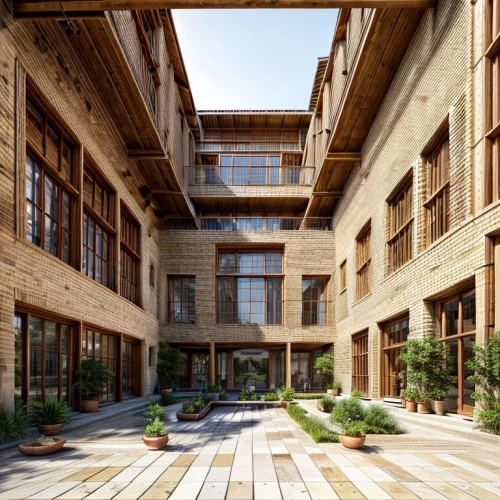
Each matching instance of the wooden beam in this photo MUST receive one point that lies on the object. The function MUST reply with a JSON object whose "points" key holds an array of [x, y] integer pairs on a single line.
{"points": [[354, 157], [148, 157], [161, 192], [334, 194], [107, 5], [6, 13]]}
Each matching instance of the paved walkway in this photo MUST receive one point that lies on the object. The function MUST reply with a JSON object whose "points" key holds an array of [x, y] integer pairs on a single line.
{"points": [[244, 453]]}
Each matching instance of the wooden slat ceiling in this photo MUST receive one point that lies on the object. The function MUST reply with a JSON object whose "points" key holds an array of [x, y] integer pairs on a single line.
{"points": [[248, 204], [318, 80], [254, 119], [389, 36], [72, 7]]}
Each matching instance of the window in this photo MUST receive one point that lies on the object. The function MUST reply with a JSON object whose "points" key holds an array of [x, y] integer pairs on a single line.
{"points": [[250, 170], [129, 257], [400, 242], [152, 356], [492, 75], [395, 335], [437, 205], [50, 358], [360, 375], [343, 276], [182, 300], [363, 261], [314, 301], [50, 196], [250, 287], [98, 230], [152, 275]]}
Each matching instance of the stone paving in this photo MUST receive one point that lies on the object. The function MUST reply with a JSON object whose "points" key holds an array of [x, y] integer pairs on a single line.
{"points": [[247, 452]]}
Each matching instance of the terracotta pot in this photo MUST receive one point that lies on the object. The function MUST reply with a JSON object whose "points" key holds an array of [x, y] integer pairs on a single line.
{"points": [[333, 392], [36, 449], [50, 429], [166, 390], [423, 407], [213, 396], [439, 407], [403, 402], [352, 442], [411, 406], [155, 442], [90, 405], [284, 404]]}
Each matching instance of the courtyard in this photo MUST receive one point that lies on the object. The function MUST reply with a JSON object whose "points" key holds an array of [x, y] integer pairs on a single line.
{"points": [[250, 452]]}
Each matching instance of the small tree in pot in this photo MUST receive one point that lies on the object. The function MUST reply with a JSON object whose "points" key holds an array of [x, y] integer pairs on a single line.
{"points": [[167, 367], [324, 366], [94, 375]]}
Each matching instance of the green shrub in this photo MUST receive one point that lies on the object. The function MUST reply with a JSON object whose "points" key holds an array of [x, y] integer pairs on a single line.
{"points": [[167, 366], [355, 429], [13, 424], [347, 410], [336, 385], [155, 429], [194, 405], [154, 412], [222, 396], [412, 394], [296, 412], [52, 411], [356, 393], [247, 395], [286, 394], [314, 426], [94, 376], [326, 404], [379, 420], [167, 398], [272, 396], [308, 396], [325, 366], [214, 389]]}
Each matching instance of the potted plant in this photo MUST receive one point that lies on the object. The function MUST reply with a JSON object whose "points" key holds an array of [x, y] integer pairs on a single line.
{"points": [[334, 389], [326, 403], [438, 401], [286, 396], [167, 367], [213, 392], [155, 434], [51, 415], [94, 375], [411, 397], [42, 446], [324, 366], [353, 434]]}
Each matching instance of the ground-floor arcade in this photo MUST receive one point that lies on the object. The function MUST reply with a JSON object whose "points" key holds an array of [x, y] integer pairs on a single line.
{"points": [[262, 366]]}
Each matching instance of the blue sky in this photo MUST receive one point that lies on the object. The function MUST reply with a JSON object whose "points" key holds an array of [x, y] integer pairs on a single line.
{"points": [[253, 59]]}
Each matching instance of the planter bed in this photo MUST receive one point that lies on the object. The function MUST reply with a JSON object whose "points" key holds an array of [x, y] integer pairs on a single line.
{"points": [[203, 413]]}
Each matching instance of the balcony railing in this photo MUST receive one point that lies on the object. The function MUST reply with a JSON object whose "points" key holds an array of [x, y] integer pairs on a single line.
{"points": [[264, 224], [205, 175], [247, 146]]}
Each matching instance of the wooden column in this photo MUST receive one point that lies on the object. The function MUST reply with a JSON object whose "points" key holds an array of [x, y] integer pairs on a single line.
{"points": [[79, 332], [212, 375], [119, 371], [288, 365]]}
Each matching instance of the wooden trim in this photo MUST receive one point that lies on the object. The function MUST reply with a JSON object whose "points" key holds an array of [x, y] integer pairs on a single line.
{"points": [[344, 157], [20, 150]]}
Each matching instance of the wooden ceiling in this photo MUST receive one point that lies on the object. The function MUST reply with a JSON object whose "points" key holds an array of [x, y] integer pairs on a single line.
{"points": [[72, 8], [318, 80], [388, 37], [251, 204], [254, 119]]}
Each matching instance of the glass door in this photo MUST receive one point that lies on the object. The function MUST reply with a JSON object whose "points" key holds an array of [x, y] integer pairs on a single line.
{"points": [[128, 369]]}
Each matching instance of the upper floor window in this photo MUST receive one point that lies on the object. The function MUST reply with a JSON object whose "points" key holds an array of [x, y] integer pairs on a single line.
{"points": [[98, 259], [249, 287], [400, 241], [50, 195], [314, 301], [182, 300], [129, 256], [363, 262], [437, 205], [249, 170], [343, 275]]}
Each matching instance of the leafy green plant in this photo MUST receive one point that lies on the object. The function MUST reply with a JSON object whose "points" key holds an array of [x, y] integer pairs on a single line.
{"points": [[326, 404], [347, 410], [51, 411], [296, 412], [153, 412], [272, 396], [94, 375], [314, 426], [155, 429], [336, 385], [308, 396], [325, 366], [222, 396], [356, 393], [214, 389], [379, 420], [194, 405], [247, 395], [286, 394], [13, 423], [355, 429], [167, 366], [486, 376], [412, 394], [167, 398]]}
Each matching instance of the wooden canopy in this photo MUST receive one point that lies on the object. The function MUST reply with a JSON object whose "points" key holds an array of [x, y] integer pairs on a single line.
{"points": [[254, 119]]}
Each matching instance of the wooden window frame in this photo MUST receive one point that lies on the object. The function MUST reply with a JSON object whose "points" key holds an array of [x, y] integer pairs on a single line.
{"points": [[317, 302], [363, 262], [442, 320], [437, 204], [172, 301], [360, 362], [400, 220], [106, 224], [130, 256], [343, 276]]}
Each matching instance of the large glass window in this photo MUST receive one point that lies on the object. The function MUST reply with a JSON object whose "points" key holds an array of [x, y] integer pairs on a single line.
{"points": [[247, 170], [363, 263], [395, 335], [129, 257], [250, 299], [182, 300], [314, 301]]}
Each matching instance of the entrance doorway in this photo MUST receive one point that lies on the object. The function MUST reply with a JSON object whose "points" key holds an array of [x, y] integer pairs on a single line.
{"points": [[360, 375], [394, 337], [130, 369]]}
